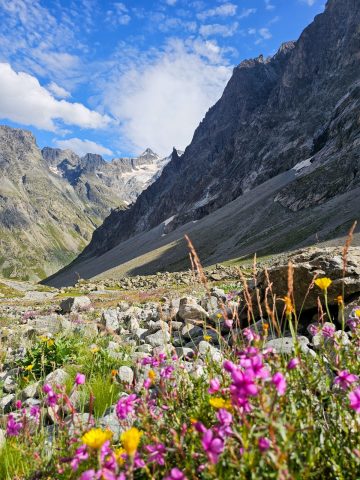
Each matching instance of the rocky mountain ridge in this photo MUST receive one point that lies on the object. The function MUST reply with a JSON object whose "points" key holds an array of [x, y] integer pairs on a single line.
{"points": [[278, 153], [52, 200]]}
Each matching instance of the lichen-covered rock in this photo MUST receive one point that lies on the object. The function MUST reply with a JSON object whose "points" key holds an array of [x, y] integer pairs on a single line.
{"points": [[75, 304]]}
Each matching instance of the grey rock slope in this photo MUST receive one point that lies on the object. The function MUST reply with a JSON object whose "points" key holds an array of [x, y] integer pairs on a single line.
{"points": [[279, 152], [51, 201]]}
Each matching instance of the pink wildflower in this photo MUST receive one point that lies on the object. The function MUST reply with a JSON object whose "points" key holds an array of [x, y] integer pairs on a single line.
{"points": [[156, 453], [35, 412], [175, 474], [293, 363], [248, 334], [18, 404], [280, 383], [212, 445], [328, 331], [126, 406], [214, 386], [13, 427], [243, 383], [80, 456], [224, 417], [79, 379], [166, 372], [264, 444], [345, 379], [354, 397]]}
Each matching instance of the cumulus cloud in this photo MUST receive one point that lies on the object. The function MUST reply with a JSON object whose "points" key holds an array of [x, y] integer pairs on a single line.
{"points": [[160, 101], [265, 33], [309, 2], [24, 100], [58, 91], [224, 10], [119, 15], [82, 147], [218, 29]]}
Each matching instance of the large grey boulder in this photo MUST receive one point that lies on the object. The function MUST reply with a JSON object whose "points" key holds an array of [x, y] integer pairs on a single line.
{"points": [[322, 262], [75, 304], [190, 311]]}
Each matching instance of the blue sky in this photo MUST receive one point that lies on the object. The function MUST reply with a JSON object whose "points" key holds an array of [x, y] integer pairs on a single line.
{"points": [[117, 77]]}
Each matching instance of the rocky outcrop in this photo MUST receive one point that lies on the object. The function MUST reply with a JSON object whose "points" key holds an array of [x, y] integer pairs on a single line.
{"points": [[276, 113]]}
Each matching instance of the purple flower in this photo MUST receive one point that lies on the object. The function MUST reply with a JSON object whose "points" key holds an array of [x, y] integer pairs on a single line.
{"points": [[166, 372], [264, 444], [248, 334], [328, 331], [79, 379], [212, 445], [126, 406], [214, 386], [138, 461], [224, 417], [354, 397], [35, 412], [229, 366], [175, 474], [52, 399], [47, 388], [280, 383], [13, 427], [257, 369], [88, 475], [345, 379], [80, 456], [18, 404], [157, 452], [313, 329], [293, 363], [243, 383]]}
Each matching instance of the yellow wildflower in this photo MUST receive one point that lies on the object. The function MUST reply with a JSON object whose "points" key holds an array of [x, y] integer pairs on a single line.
{"points": [[323, 283], [219, 402], [29, 368], [130, 440], [119, 455], [288, 305], [152, 375], [94, 349], [114, 373], [96, 437], [219, 315], [207, 338], [50, 342], [340, 300]]}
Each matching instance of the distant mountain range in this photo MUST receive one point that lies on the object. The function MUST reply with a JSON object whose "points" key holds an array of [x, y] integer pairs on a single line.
{"points": [[52, 200], [275, 164]]}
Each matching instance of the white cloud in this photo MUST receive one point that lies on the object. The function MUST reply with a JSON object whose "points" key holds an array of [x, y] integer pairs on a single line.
{"points": [[217, 29], [224, 10], [82, 147], [269, 5], [58, 91], [24, 100], [265, 33], [119, 15], [309, 2], [159, 101], [247, 12], [171, 2]]}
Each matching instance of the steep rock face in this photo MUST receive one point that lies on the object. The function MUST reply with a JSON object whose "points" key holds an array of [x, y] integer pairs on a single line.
{"points": [[51, 201], [42, 221], [297, 106]]}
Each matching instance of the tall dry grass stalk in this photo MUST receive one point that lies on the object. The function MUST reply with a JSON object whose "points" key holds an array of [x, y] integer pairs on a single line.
{"points": [[196, 264], [348, 242]]}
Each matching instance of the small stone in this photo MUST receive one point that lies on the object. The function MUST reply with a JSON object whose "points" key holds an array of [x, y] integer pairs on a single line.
{"points": [[110, 319], [30, 391], [191, 331], [158, 339], [184, 352], [176, 326], [57, 377], [125, 374], [190, 310], [6, 403], [146, 348], [285, 345], [9, 385]]}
